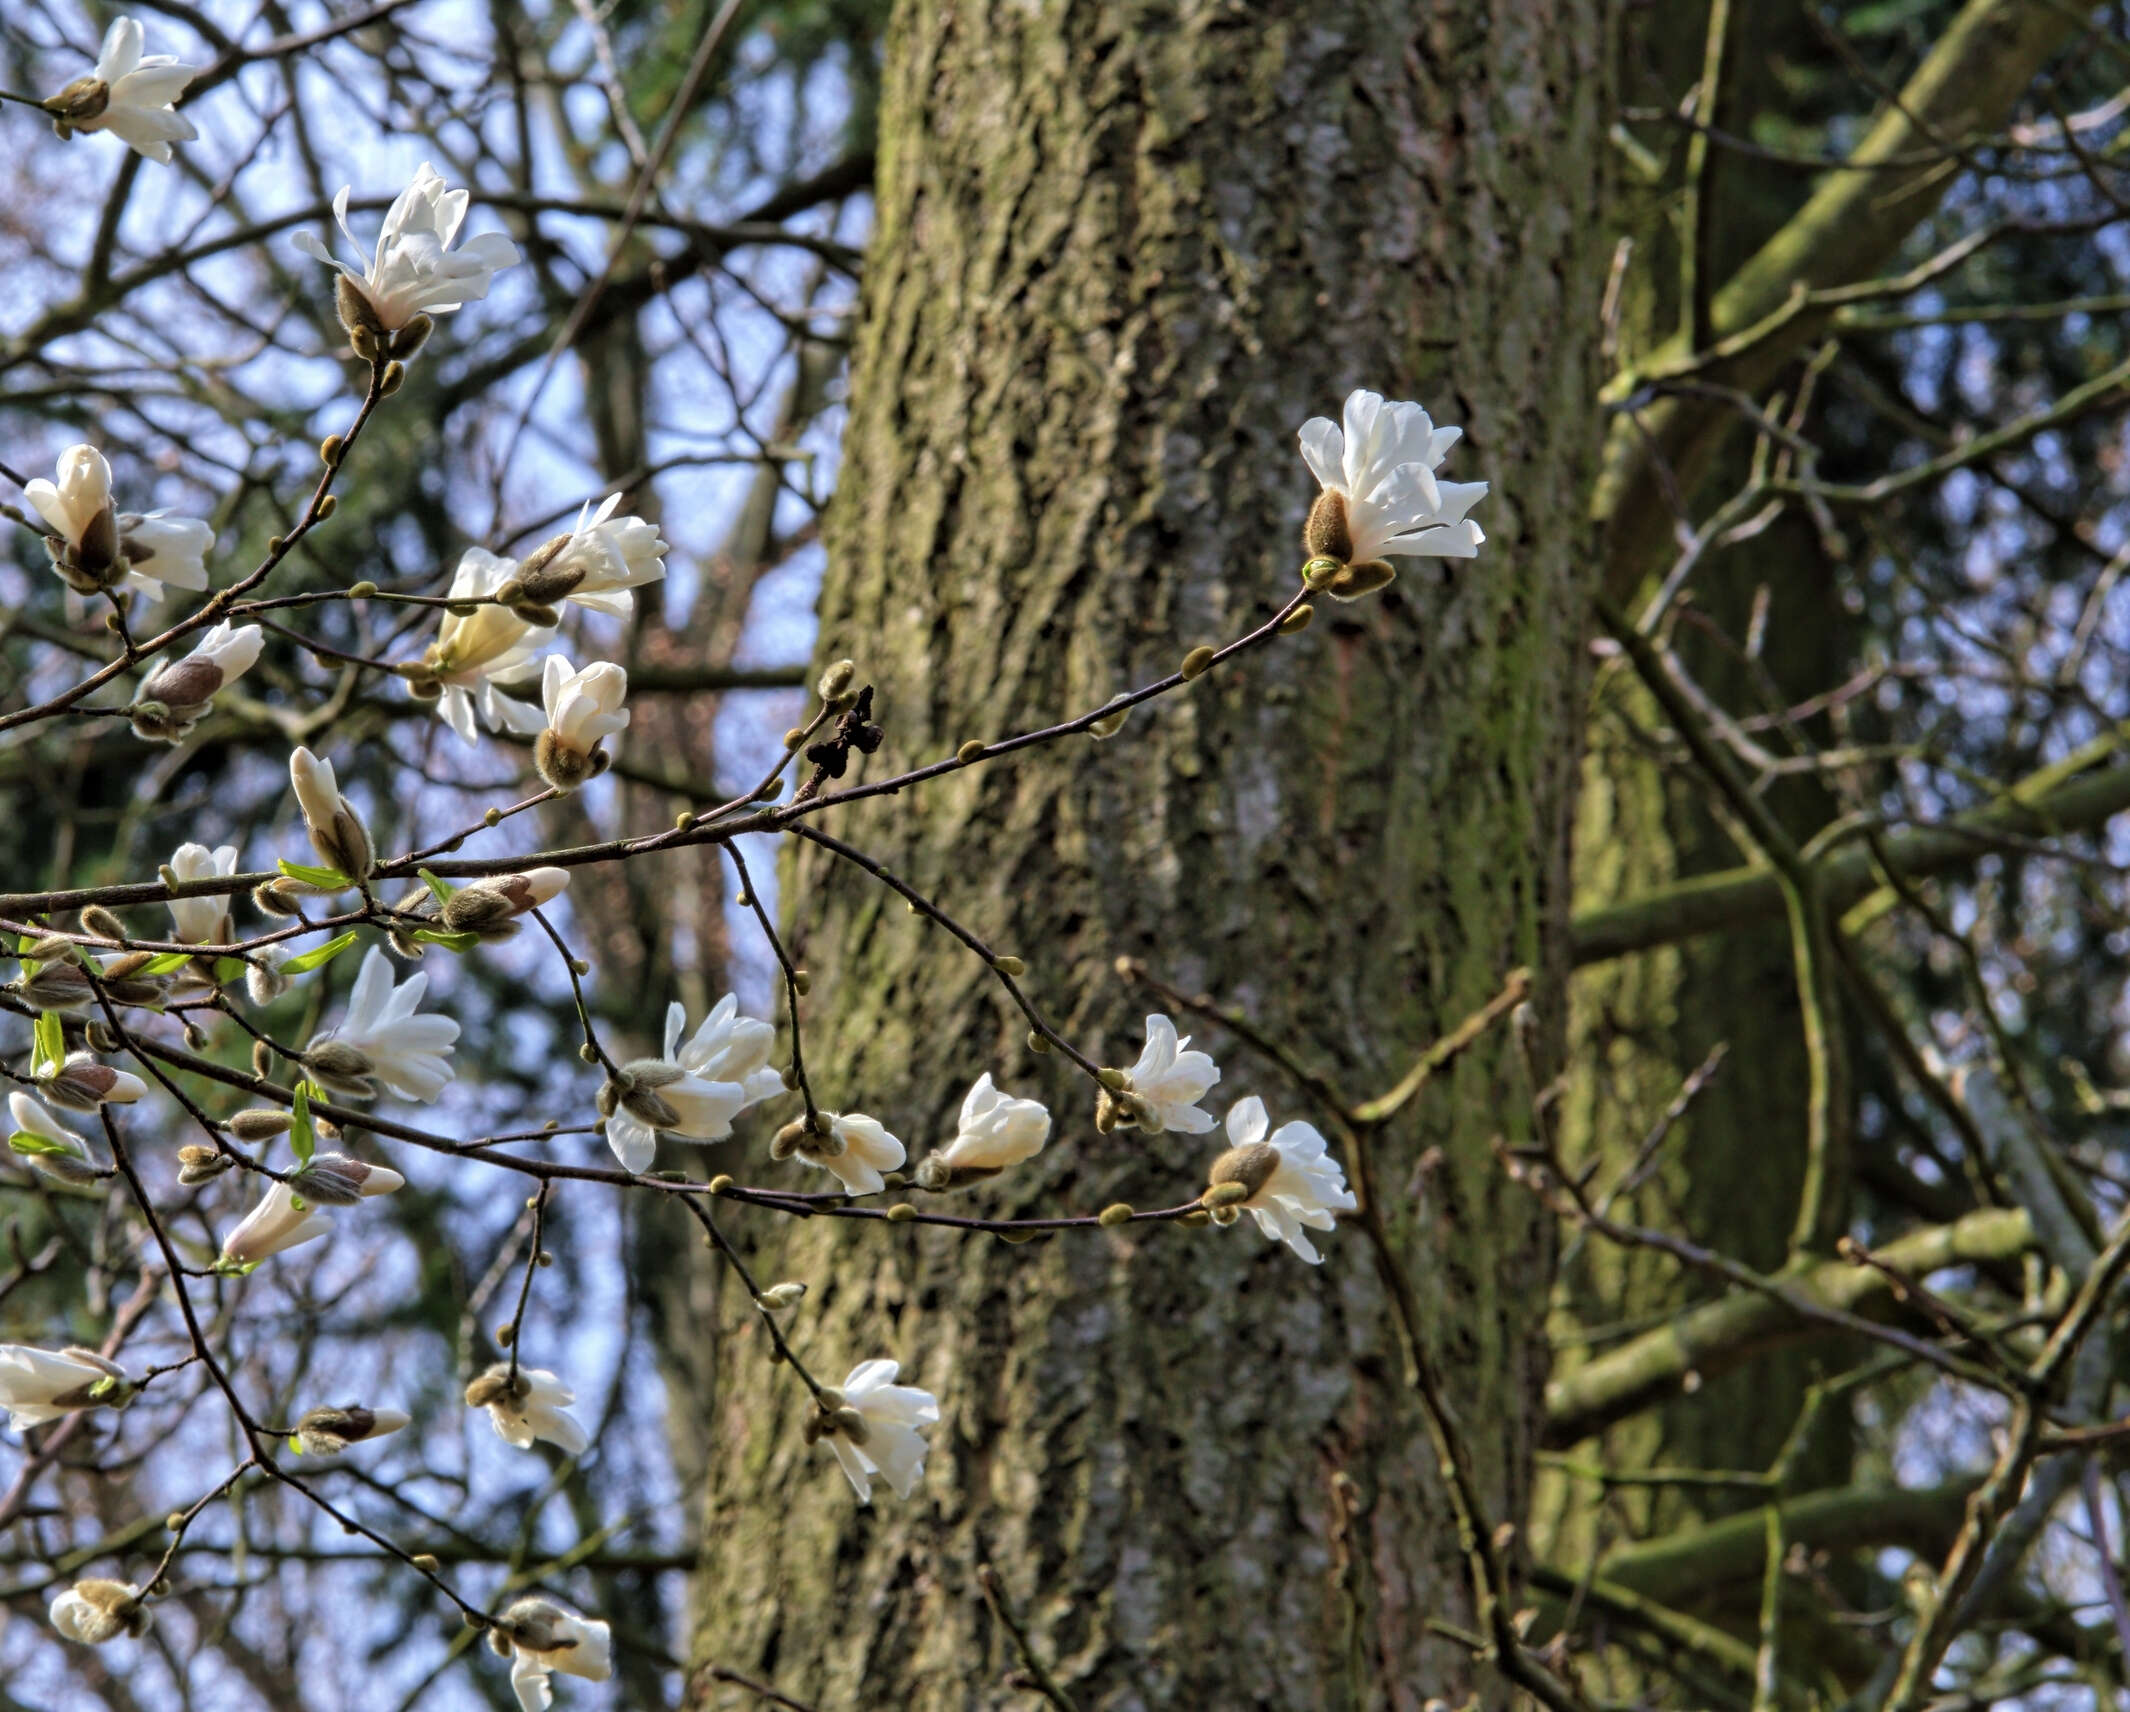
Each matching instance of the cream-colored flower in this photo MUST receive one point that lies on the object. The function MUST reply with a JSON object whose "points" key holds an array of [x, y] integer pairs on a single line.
{"points": [[531, 1405], [384, 1039], [885, 1438], [40, 1385], [94, 547], [598, 563], [693, 1091], [1168, 1081], [96, 1611], [996, 1130], [539, 1638], [414, 270], [1292, 1181], [857, 1150], [128, 94], [471, 655], [583, 710], [201, 921], [175, 696], [337, 832], [1380, 497]]}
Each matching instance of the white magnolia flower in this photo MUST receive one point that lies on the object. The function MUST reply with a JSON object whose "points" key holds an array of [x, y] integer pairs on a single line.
{"points": [[470, 656], [727, 1047], [128, 95], [1381, 498], [337, 832], [287, 1218], [599, 562], [887, 1443], [415, 271], [201, 921], [33, 1117], [539, 1637], [997, 1130], [1292, 1181], [858, 1150], [185, 687], [94, 1612], [532, 1405], [693, 1091], [328, 1432], [1169, 1081], [40, 1385], [583, 710], [382, 1039], [94, 547]]}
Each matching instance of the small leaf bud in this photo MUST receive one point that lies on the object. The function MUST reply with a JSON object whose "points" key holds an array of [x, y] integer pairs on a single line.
{"points": [[327, 506], [1298, 620], [970, 751], [1010, 966], [1197, 1218], [1116, 1213], [1037, 1042], [363, 590], [1114, 1080], [780, 1296], [330, 450], [794, 737], [902, 1212], [394, 377], [802, 983], [1224, 1195], [1196, 661], [721, 1183], [425, 1563]]}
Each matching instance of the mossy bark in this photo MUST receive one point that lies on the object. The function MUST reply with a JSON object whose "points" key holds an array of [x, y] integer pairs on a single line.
{"points": [[1122, 251]]}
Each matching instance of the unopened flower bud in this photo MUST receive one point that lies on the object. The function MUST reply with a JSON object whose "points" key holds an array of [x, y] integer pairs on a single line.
{"points": [[81, 1084], [328, 1432], [779, 1297], [264, 981], [836, 681], [101, 922], [411, 337], [335, 1180], [262, 1059], [259, 1123], [51, 948], [789, 1139], [345, 1069], [55, 987], [277, 897], [96, 1611]]}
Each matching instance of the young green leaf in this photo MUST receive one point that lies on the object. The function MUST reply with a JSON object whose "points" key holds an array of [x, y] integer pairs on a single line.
{"points": [[319, 956], [304, 1136], [325, 879]]}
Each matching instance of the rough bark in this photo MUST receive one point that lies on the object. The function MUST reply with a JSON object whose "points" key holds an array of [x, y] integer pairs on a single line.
{"points": [[1122, 251]]}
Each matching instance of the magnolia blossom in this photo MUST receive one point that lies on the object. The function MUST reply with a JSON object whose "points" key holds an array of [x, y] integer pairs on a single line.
{"points": [[531, 1404], [539, 1637], [1168, 1081], [285, 1218], [694, 1090], [175, 696], [997, 1130], [856, 1149], [471, 655], [96, 1611], [337, 832], [34, 1119], [1380, 497], [128, 95], [414, 271], [598, 563], [201, 921], [94, 547], [1292, 1181], [328, 1432], [40, 1385], [583, 710], [381, 1039], [876, 1430]]}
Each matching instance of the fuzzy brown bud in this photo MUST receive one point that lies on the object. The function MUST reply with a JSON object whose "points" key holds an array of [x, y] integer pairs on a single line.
{"points": [[835, 683], [343, 1068], [260, 1123], [1251, 1167]]}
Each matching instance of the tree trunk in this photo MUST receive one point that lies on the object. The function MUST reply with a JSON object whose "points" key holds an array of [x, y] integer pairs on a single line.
{"points": [[1122, 251]]}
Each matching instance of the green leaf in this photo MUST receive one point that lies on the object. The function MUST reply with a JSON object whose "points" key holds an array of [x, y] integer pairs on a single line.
{"points": [[319, 956], [50, 1049], [459, 942], [167, 961], [325, 879], [24, 1142], [230, 968], [442, 891], [304, 1136]]}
